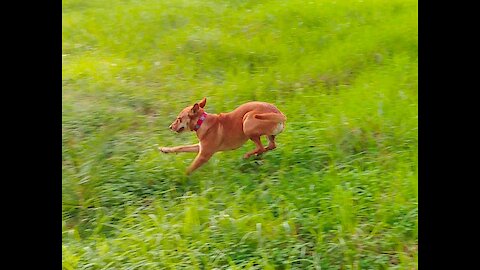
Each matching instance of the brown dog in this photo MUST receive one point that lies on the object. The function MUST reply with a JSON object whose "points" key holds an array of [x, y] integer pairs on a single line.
{"points": [[227, 131]]}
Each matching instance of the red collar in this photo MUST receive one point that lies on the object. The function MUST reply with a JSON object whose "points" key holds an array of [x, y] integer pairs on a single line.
{"points": [[200, 121]]}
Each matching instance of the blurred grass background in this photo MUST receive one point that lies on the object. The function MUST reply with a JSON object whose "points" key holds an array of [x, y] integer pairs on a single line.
{"points": [[339, 192]]}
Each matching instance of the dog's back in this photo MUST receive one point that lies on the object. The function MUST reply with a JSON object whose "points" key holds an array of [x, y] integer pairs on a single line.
{"points": [[257, 106]]}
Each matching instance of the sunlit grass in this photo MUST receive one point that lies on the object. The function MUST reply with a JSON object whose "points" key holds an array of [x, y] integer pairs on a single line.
{"points": [[339, 192]]}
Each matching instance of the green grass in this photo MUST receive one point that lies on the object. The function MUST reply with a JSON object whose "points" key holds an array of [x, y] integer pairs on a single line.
{"points": [[339, 192]]}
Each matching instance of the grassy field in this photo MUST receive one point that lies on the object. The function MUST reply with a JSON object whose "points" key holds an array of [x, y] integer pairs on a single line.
{"points": [[339, 192]]}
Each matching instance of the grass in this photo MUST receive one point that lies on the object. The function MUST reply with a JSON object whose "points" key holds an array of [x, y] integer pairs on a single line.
{"points": [[339, 192]]}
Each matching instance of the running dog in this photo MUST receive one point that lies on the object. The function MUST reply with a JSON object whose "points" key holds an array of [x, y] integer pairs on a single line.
{"points": [[227, 131]]}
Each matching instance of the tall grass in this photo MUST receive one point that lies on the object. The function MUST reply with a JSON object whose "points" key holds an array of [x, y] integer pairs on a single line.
{"points": [[339, 192]]}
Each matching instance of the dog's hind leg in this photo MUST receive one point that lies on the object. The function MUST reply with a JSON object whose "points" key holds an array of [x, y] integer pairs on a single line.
{"points": [[271, 142], [258, 150]]}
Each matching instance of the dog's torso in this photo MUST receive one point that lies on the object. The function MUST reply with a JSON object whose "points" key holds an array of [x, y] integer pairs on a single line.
{"points": [[225, 131]]}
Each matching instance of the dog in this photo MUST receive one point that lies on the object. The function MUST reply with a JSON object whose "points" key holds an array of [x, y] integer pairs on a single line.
{"points": [[227, 131]]}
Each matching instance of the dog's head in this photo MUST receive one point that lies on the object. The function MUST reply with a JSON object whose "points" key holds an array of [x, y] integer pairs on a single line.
{"points": [[187, 118]]}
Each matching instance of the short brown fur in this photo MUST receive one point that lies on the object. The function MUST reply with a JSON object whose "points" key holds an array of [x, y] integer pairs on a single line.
{"points": [[228, 131]]}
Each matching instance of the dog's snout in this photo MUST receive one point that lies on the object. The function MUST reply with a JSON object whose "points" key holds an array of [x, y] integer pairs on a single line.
{"points": [[170, 127]]}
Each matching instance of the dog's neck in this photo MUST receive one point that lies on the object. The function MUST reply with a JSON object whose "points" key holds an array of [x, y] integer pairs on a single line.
{"points": [[210, 121], [200, 120]]}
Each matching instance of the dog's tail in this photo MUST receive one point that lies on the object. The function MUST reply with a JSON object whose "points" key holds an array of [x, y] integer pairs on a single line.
{"points": [[275, 117]]}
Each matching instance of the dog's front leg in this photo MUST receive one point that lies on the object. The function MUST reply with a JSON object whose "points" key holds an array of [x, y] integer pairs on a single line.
{"points": [[201, 158], [184, 148]]}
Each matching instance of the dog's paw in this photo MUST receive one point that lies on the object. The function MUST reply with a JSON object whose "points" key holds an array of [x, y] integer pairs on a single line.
{"points": [[164, 150], [270, 147]]}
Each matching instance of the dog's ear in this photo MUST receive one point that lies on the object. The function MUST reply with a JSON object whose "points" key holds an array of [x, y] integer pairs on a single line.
{"points": [[202, 102], [194, 109]]}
